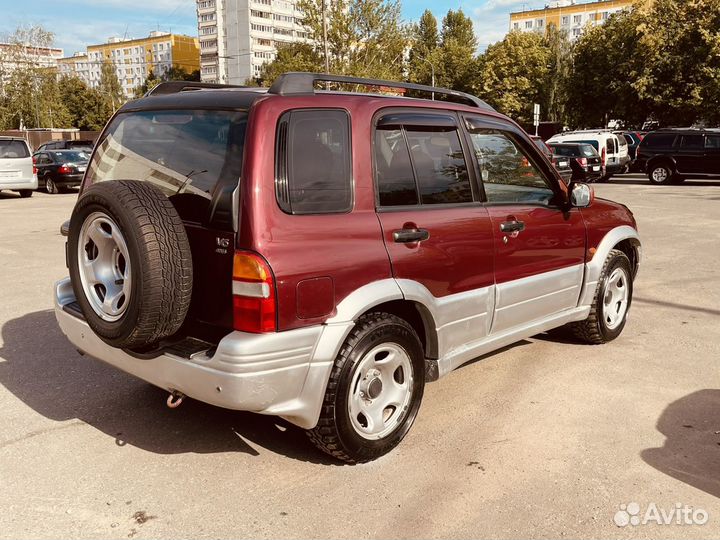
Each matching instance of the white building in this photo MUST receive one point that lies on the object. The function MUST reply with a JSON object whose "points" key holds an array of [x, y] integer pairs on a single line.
{"points": [[12, 56], [238, 36]]}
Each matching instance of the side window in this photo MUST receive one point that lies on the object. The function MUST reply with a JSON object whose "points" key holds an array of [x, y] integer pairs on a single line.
{"points": [[659, 140], [420, 165], [610, 145], [313, 168], [692, 141], [712, 142], [507, 174]]}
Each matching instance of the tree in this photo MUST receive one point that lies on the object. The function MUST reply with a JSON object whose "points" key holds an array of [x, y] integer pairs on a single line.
{"points": [[459, 65], [291, 57], [150, 82], [366, 38], [85, 105], [513, 73], [559, 76], [424, 55], [110, 89]]}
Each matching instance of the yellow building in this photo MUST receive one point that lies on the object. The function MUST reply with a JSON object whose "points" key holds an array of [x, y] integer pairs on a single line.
{"points": [[134, 59], [567, 15]]}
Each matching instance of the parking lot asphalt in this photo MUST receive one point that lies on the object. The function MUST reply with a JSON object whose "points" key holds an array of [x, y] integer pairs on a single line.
{"points": [[546, 438]]}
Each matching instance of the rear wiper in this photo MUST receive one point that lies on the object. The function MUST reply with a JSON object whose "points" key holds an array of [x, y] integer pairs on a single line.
{"points": [[187, 179]]}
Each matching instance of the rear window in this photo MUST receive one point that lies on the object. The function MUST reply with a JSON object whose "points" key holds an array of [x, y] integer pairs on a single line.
{"points": [[180, 151], [659, 140], [14, 149], [594, 144], [71, 155]]}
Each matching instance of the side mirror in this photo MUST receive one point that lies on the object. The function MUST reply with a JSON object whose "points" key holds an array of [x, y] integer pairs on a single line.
{"points": [[581, 195]]}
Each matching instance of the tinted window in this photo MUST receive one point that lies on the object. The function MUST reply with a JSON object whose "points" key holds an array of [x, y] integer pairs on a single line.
{"points": [[610, 145], [420, 165], [659, 140], [44, 159], [71, 155], [507, 174], [313, 168], [395, 178], [594, 144], [180, 151], [692, 141], [541, 146], [439, 165], [712, 141], [10, 149], [569, 151]]}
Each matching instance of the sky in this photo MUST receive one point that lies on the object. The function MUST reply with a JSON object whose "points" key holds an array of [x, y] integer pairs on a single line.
{"points": [[79, 23]]}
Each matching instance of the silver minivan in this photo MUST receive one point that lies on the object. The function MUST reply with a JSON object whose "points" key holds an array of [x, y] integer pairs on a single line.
{"points": [[17, 172]]}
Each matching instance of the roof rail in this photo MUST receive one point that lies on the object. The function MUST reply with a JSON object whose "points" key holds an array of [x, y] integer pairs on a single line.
{"points": [[173, 87], [301, 83]]}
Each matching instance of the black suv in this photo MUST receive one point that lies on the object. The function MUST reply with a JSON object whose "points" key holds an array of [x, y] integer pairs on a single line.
{"points": [[81, 144], [670, 156]]}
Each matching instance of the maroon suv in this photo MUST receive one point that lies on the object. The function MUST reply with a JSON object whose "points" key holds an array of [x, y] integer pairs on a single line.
{"points": [[321, 255]]}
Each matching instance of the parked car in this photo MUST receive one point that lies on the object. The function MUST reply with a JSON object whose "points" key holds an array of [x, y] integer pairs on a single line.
{"points": [[633, 139], [82, 144], [320, 256], [58, 170], [561, 163], [16, 167], [585, 162], [672, 155], [613, 153]]}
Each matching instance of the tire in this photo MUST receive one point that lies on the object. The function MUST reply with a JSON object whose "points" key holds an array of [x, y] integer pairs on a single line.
{"points": [[150, 266], [660, 175], [340, 431], [598, 328], [50, 186], [25, 193]]}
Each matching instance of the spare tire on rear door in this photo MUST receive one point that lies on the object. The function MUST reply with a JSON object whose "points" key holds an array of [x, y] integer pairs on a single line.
{"points": [[130, 263]]}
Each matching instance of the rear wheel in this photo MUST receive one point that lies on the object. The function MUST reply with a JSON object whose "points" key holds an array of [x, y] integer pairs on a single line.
{"points": [[25, 193], [374, 392], [660, 174], [51, 186]]}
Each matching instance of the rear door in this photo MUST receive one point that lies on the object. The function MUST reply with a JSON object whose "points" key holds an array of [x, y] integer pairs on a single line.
{"points": [[689, 157], [539, 246], [15, 162], [712, 154], [436, 230]]}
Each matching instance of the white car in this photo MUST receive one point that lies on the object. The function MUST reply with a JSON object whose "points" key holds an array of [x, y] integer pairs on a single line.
{"points": [[17, 171], [613, 151]]}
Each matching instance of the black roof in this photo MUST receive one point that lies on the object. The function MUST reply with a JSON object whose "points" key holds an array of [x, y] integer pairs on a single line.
{"points": [[220, 98]]}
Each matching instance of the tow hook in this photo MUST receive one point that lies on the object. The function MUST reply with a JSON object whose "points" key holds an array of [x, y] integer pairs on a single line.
{"points": [[175, 399]]}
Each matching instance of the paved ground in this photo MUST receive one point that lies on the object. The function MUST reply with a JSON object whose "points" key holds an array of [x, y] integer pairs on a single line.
{"points": [[543, 439]]}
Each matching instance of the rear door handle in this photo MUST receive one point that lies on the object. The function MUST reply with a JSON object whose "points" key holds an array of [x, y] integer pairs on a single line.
{"points": [[512, 226], [407, 236]]}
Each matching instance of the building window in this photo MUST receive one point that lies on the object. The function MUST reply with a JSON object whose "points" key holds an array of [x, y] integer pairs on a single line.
{"points": [[206, 31], [260, 14], [565, 20], [576, 32], [516, 26], [605, 15], [528, 24], [577, 19], [539, 23]]}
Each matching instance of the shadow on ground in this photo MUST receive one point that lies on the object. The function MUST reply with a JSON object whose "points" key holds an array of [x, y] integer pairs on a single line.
{"points": [[42, 369], [691, 452]]}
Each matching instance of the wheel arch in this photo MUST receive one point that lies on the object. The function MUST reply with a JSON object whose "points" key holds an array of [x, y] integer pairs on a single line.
{"points": [[660, 160]]}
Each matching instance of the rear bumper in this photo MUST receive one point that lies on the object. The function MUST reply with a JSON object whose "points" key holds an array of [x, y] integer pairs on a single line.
{"points": [[283, 373], [68, 180], [20, 183]]}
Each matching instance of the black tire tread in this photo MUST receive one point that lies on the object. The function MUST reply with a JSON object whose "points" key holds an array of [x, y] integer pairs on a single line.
{"points": [[325, 435], [588, 329], [165, 268]]}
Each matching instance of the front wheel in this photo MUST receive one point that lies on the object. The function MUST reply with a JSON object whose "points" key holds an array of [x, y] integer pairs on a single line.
{"points": [[374, 392], [611, 303], [660, 175]]}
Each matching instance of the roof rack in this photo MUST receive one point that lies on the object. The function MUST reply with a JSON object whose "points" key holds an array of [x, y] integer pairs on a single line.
{"points": [[301, 83], [173, 87]]}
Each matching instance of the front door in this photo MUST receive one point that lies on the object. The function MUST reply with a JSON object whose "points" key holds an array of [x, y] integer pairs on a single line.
{"points": [[690, 154], [539, 246], [436, 230], [712, 154]]}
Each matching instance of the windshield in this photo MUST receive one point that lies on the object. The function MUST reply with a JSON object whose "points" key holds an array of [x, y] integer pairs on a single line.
{"points": [[13, 149], [71, 155], [180, 151]]}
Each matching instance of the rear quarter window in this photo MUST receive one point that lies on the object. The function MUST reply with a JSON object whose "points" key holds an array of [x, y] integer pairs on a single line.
{"points": [[313, 167], [659, 140]]}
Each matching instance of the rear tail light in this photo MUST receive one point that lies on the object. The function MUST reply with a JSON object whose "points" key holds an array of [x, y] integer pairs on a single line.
{"points": [[253, 290], [34, 167], [582, 161], [604, 156], [637, 152], [64, 169]]}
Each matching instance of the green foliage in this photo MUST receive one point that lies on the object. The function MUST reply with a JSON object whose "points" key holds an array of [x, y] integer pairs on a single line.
{"points": [[458, 46], [513, 73], [366, 38], [424, 55]]}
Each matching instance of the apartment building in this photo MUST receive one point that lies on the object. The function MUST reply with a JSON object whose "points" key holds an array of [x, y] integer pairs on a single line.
{"points": [[238, 36], [13, 56], [134, 59], [567, 15]]}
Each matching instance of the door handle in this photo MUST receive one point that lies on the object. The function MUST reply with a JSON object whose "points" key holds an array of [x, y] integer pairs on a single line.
{"points": [[512, 226], [407, 236]]}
